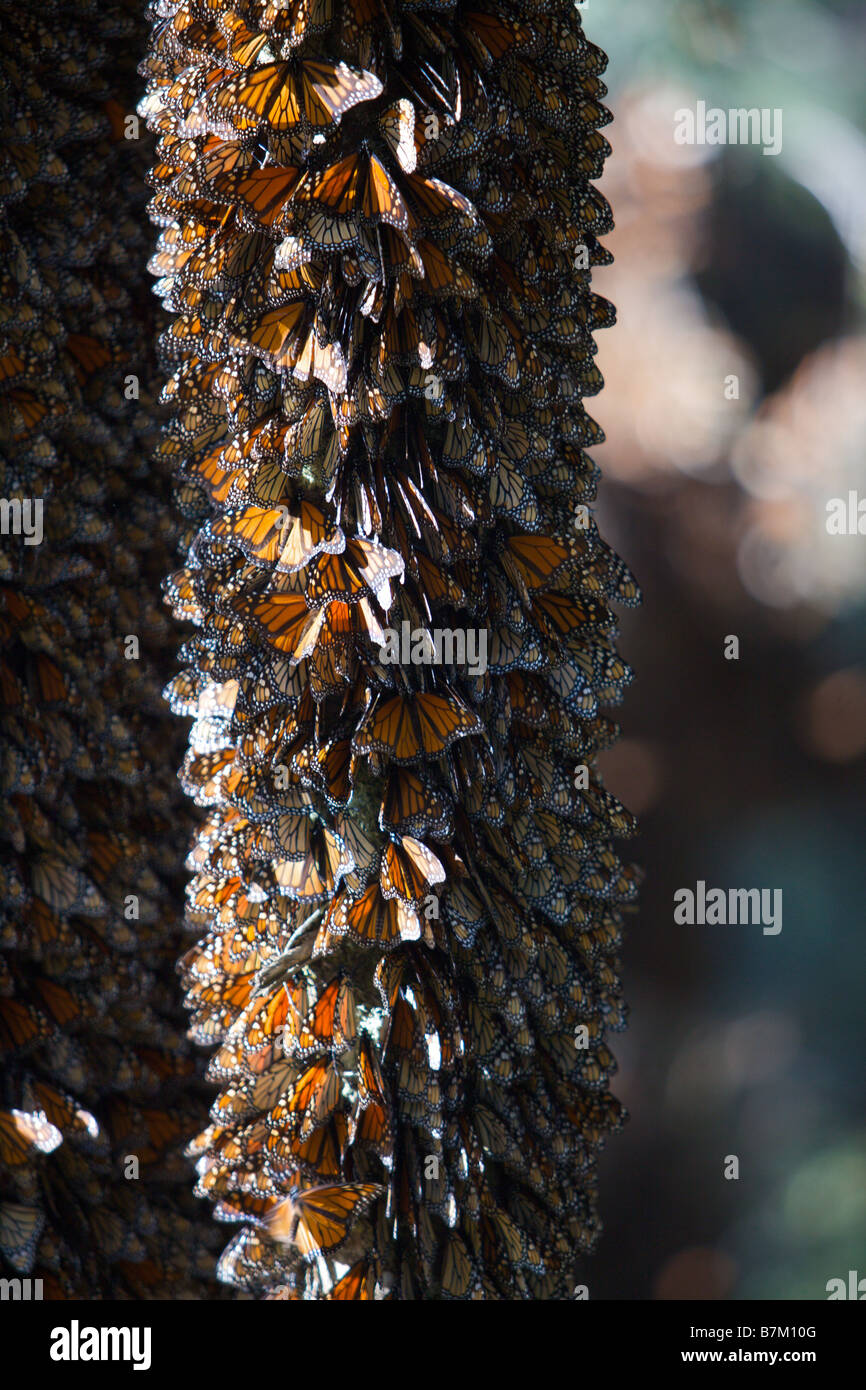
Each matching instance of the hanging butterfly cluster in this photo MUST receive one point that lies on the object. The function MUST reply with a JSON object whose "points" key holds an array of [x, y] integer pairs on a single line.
{"points": [[96, 1089], [377, 228]]}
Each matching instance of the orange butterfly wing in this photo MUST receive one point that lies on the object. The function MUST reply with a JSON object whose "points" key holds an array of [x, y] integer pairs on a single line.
{"points": [[324, 1215], [382, 201], [441, 719], [290, 625], [356, 1284]]}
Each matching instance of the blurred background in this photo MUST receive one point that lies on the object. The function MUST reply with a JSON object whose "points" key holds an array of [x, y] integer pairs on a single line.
{"points": [[735, 409]]}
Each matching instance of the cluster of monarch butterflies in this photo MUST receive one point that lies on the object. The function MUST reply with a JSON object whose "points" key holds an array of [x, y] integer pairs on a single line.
{"points": [[377, 224], [99, 1088]]}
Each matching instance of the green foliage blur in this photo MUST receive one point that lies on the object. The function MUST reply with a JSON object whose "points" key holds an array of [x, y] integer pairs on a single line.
{"points": [[735, 266]]}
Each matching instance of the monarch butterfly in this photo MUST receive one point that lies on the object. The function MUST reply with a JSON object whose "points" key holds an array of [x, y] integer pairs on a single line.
{"points": [[218, 1005], [246, 1259], [313, 876], [442, 274], [411, 806], [290, 625], [537, 559], [319, 1219], [364, 187], [21, 1226], [320, 1154], [275, 96], [306, 17], [277, 334], [272, 535], [243, 45], [408, 871], [371, 1125], [434, 199], [264, 196], [360, 569], [331, 1024], [411, 727], [53, 686], [508, 651], [357, 1284], [464, 911], [65, 888], [312, 1101], [21, 1133], [61, 1111], [249, 1096], [21, 412], [88, 354], [332, 770], [371, 920], [491, 36], [362, 849], [397, 124], [457, 1276]]}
